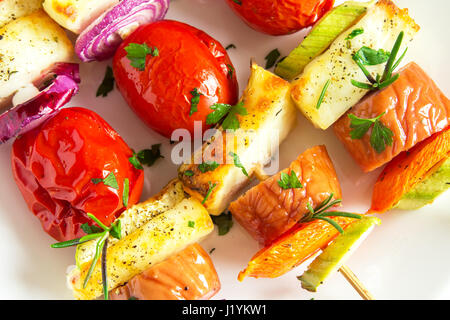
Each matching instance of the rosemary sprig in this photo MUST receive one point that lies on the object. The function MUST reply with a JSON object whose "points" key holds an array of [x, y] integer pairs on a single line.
{"points": [[321, 213], [322, 94], [385, 80], [100, 248], [210, 190]]}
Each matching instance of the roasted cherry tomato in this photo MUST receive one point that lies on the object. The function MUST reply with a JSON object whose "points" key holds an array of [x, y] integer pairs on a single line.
{"points": [[58, 167], [280, 17], [187, 60]]}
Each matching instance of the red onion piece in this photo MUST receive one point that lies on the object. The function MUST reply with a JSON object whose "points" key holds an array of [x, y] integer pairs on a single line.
{"points": [[101, 39], [53, 96]]}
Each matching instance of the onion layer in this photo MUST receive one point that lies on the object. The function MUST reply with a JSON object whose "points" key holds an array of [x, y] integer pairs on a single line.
{"points": [[57, 88], [101, 39]]}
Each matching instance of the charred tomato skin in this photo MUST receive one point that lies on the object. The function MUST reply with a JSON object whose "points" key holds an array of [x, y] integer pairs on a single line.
{"points": [[280, 17], [187, 59], [54, 164]]}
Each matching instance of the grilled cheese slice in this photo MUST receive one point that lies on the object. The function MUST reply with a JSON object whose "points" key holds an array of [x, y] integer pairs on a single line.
{"points": [[151, 232], [76, 15], [28, 46], [14, 9], [271, 116], [382, 24]]}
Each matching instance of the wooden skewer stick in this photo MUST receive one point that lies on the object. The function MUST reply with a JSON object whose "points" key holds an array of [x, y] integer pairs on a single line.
{"points": [[346, 271], [356, 284]]}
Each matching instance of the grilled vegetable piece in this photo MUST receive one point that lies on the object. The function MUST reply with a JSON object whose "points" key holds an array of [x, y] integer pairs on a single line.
{"points": [[427, 191], [409, 169], [14, 9], [324, 32], [334, 256], [382, 24], [293, 248], [267, 210], [271, 116], [414, 110], [76, 15], [159, 238], [188, 275], [44, 41], [135, 217]]}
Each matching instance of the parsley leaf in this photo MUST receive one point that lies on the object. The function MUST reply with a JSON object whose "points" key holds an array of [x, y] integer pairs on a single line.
{"points": [[381, 135], [222, 110], [126, 192], [230, 71], [90, 229], [237, 163], [107, 84], [189, 173], [289, 181], [370, 57], [194, 101], [272, 58], [224, 221], [146, 157], [109, 181], [115, 230], [355, 33], [191, 224], [137, 54], [208, 166], [210, 190]]}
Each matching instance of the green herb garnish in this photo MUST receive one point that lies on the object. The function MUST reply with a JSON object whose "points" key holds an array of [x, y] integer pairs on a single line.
{"points": [[322, 95], [210, 190], [194, 101], [355, 33], [109, 181], [126, 192], [289, 181], [370, 57], [380, 81], [208, 166], [102, 235], [381, 135], [239, 2], [191, 224], [230, 71], [224, 222], [320, 213], [146, 157], [272, 58], [228, 113], [137, 54], [107, 84], [189, 173], [237, 163], [230, 46]]}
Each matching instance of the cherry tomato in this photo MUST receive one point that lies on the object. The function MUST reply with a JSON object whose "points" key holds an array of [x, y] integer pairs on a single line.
{"points": [[54, 166], [187, 59], [280, 17]]}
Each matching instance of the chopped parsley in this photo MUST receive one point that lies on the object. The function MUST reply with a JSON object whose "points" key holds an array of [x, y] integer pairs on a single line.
{"points": [[237, 163], [228, 113], [355, 33], [194, 101], [210, 190], [107, 84], [137, 54], [109, 181], [208, 166], [381, 135], [224, 222], [289, 181], [146, 157], [191, 224], [272, 58]]}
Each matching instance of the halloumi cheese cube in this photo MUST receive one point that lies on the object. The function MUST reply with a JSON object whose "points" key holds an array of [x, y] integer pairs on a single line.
{"points": [[28, 46], [14, 9], [161, 236], [271, 116], [382, 24], [76, 15]]}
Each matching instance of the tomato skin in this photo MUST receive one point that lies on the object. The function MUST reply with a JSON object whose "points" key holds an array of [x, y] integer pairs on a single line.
{"points": [[188, 58], [281, 17], [54, 164]]}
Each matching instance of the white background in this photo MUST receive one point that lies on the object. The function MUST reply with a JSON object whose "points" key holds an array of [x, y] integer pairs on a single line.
{"points": [[407, 257]]}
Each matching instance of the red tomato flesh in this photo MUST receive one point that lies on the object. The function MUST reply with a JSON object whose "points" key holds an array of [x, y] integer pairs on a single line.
{"points": [[54, 164], [280, 17], [188, 59]]}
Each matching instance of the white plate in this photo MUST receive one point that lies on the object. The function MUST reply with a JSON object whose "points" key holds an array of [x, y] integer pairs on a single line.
{"points": [[406, 258]]}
